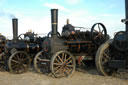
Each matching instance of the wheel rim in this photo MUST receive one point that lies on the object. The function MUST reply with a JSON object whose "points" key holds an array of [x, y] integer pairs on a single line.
{"points": [[19, 62], [62, 64], [41, 63], [104, 61], [102, 58]]}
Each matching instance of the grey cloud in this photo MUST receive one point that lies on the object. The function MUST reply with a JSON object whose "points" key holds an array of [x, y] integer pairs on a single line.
{"points": [[7, 14]]}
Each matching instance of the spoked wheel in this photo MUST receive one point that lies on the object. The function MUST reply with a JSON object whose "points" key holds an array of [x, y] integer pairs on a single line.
{"points": [[42, 63], [102, 58], [19, 62], [62, 64], [98, 33], [2, 62]]}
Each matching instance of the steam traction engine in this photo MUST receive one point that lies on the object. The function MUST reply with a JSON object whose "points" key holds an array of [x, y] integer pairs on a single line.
{"points": [[112, 56], [59, 51], [19, 51]]}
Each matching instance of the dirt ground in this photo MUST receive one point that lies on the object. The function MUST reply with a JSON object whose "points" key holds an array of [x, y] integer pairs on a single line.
{"points": [[80, 77]]}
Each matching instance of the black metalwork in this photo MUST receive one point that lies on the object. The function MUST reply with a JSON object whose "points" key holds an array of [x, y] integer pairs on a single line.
{"points": [[116, 57], [54, 21], [20, 51], [126, 14], [15, 29], [53, 54], [59, 51]]}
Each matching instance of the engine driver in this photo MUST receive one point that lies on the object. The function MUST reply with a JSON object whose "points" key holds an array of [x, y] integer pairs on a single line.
{"points": [[68, 30]]}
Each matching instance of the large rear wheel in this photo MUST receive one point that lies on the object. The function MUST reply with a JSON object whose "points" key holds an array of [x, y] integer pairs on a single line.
{"points": [[103, 56]]}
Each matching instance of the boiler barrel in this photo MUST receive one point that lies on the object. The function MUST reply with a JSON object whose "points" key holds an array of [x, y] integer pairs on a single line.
{"points": [[21, 46]]}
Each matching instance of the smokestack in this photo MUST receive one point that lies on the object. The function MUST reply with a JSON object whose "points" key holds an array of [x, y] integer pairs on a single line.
{"points": [[15, 29], [126, 14], [54, 21]]}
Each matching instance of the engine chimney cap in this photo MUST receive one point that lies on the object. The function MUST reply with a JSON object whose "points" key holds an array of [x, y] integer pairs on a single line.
{"points": [[14, 18], [54, 9]]}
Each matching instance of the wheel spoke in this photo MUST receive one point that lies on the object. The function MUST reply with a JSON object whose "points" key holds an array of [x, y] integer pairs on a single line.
{"points": [[57, 64], [63, 57], [68, 62], [57, 67], [25, 59], [58, 70], [103, 62], [99, 27], [15, 61], [63, 72], [21, 55], [100, 36], [60, 58], [17, 57], [57, 60], [70, 66], [95, 30], [25, 66], [105, 55], [66, 70], [102, 31], [39, 58], [67, 59], [15, 66], [96, 36]]}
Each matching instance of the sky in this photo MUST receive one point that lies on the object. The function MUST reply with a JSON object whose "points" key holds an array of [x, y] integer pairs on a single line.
{"points": [[35, 14]]}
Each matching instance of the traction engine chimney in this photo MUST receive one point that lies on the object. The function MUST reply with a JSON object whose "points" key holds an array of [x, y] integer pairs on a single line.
{"points": [[54, 21], [15, 29]]}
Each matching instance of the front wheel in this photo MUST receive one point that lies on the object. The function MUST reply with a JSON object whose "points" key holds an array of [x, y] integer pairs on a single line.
{"points": [[62, 64], [19, 62]]}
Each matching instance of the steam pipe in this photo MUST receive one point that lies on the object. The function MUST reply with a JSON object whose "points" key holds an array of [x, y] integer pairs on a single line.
{"points": [[54, 21], [15, 29]]}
